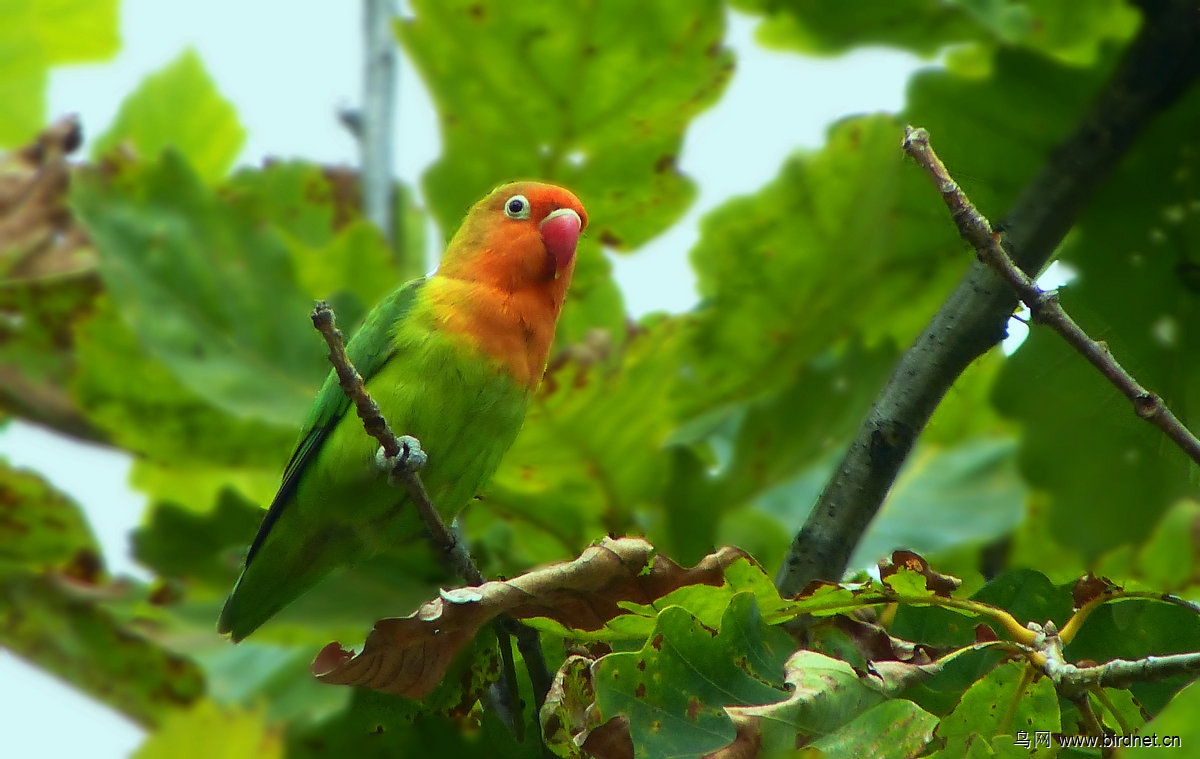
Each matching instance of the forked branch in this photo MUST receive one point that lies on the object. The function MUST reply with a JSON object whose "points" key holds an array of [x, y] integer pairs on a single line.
{"points": [[1042, 304]]}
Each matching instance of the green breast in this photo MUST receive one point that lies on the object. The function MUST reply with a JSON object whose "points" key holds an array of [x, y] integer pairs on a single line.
{"points": [[465, 410]]}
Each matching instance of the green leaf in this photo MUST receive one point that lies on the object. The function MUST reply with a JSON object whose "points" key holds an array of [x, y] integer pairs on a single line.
{"points": [[38, 34], [758, 454], [812, 417], [948, 497], [207, 730], [1177, 722], [36, 353], [372, 727], [675, 688], [588, 457], [63, 631], [1070, 33], [178, 107], [50, 583], [934, 626], [1029, 596], [579, 96], [40, 528], [278, 677], [178, 542], [1168, 558], [976, 126], [1001, 704], [337, 255], [208, 291], [809, 26], [706, 603], [824, 695], [895, 729], [148, 410], [760, 324]]}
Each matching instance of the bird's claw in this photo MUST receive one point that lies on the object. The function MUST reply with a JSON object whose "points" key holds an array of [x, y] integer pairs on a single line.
{"points": [[411, 459]]}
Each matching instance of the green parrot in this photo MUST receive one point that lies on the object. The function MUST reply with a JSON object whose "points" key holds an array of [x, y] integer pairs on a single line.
{"points": [[452, 360]]}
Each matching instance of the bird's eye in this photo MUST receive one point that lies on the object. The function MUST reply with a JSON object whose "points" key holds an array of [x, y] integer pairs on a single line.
{"points": [[516, 207]]}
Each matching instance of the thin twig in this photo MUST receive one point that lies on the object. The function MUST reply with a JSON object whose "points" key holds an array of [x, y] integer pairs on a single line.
{"points": [[400, 452], [1160, 64], [351, 381], [1043, 305]]}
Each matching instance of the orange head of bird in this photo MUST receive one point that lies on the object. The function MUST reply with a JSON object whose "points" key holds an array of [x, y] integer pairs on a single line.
{"points": [[523, 235]]}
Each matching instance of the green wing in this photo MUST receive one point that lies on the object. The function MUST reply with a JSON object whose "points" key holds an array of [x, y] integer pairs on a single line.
{"points": [[368, 350]]}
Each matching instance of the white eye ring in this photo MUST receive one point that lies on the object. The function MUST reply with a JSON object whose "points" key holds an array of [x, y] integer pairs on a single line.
{"points": [[517, 207]]}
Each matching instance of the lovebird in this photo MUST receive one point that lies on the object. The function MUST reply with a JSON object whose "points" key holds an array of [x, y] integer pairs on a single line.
{"points": [[453, 360]]}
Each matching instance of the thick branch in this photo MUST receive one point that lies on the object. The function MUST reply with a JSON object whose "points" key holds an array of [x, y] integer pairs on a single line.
{"points": [[1159, 66], [1044, 306]]}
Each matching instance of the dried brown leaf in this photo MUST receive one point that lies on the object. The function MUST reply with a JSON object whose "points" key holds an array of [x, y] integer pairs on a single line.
{"points": [[408, 656], [1090, 587], [39, 237]]}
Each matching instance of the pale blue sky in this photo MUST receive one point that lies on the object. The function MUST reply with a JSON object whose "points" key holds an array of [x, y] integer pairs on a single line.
{"points": [[288, 67]]}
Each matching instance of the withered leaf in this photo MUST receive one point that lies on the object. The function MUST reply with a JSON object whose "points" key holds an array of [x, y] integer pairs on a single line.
{"points": [[408, 656]]}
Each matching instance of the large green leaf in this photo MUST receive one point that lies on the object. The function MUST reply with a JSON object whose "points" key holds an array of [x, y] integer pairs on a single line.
{"points": [[148, 410], [578, 95], [178, 107], [1177, 722], [337, 255], [38, 34], [178, 542], [1001, 704], [588, 460], [207, 289], [758, 448], [783, 273], [51, 578], [895, 729], [40, 528], [675, 689]]}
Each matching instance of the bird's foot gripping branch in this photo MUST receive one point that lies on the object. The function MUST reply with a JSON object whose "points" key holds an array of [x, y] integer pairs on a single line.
{"points": [[411, 459]]}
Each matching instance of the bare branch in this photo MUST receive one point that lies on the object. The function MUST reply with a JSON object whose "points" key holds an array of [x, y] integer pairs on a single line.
{"points": [[1121, 673], [1160, 64], [1044, 306], [375, 123]]}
